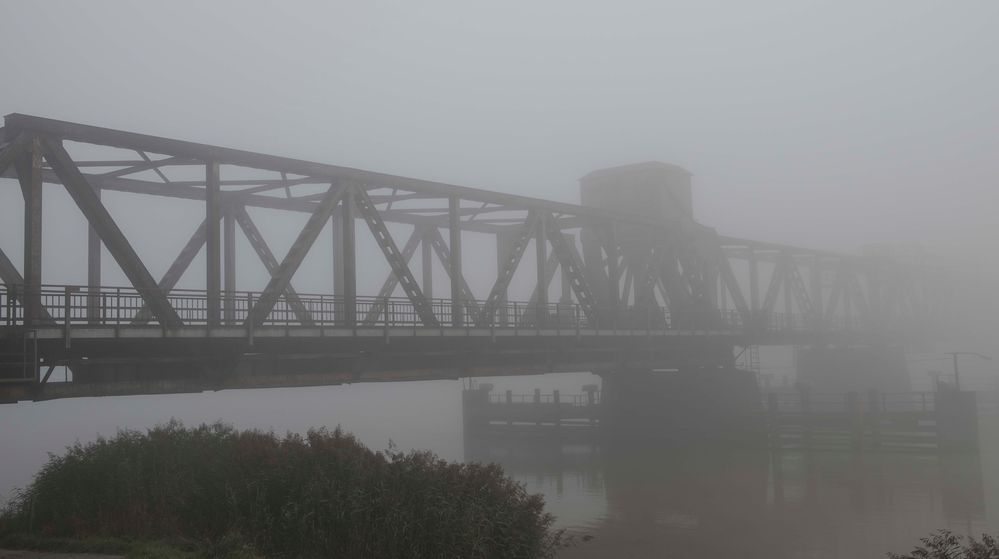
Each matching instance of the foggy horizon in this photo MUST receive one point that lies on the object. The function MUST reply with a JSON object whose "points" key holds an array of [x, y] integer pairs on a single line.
{"points": [[831, 125]]}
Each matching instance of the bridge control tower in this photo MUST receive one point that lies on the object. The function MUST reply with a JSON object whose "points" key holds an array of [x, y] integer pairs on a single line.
{"points": [[675, 272], [651, 189]]}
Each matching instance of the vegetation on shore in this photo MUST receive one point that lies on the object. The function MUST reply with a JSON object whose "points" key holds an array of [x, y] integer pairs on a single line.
{"points": [[213, 491], [944, 544]]}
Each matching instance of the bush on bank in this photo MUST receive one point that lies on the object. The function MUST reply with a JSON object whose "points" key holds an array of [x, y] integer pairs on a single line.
{"points": [[238, 493], [944, 544]]}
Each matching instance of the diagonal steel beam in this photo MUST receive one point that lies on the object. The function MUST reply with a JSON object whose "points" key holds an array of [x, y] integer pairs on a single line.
{"points": [[392, 281], [8, 272], [398, 264], [266, 256], [296, 254], [13, 280], [444, 255], [775, 284], [679, 296], [731, 284], [797, 284], [176, 269], [506, 271], [572, 268], [551, 266], [97, 215]]}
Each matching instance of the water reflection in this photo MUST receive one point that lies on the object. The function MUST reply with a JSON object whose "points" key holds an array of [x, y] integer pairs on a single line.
{"points": [[643, 502], [636, 502]]}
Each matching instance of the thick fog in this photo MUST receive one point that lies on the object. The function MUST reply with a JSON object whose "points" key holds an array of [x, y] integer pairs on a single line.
{"points": [[829, 124], [823, 124]]}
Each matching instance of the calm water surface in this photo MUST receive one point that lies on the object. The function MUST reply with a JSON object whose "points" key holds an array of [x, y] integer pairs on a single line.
{"points": [[644, 502]]}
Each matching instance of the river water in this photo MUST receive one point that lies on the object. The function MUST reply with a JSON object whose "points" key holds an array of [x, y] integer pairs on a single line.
{"points": [[645, 502]]}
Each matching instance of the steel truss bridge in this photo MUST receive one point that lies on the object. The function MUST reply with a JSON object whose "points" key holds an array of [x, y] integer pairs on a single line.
{"points": [[635, 290]]}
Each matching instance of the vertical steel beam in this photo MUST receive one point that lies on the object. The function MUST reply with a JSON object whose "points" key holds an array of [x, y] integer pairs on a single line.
{"points": [[229, 258], [213, 265], [337, 236], [541, 249], [754, 282], [29, 173], [504, 246], [454, 228], [348, 257], [469, 306], [427, 264], [613, 269], [93, 270]]}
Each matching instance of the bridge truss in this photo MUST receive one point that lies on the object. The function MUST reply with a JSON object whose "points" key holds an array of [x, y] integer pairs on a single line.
{"points": [[619, 272]]}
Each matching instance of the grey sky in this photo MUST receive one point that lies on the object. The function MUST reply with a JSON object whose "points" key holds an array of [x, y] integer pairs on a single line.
{"points": [[828, 124]]}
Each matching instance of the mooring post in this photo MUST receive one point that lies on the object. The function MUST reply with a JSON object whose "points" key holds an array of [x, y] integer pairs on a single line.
{"points": [[67, 314], [558, 408]]}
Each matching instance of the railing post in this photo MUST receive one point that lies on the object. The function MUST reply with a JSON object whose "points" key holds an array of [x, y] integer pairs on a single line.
{"points": [[67, 311], [576, 311], [249, 313], [385, 313]]}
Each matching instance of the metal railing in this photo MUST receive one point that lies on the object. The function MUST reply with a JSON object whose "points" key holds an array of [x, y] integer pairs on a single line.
{"points": [[62, 305], [878, 402]]}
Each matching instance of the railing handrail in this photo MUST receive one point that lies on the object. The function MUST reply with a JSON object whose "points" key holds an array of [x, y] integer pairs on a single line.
{"points": [[124, 305]]}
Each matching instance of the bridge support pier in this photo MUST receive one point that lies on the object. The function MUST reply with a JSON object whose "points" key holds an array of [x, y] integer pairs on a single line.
{"points": [[687, 406]]}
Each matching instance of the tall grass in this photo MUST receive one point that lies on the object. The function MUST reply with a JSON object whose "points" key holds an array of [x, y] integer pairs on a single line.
{"points": [[319, 495]]}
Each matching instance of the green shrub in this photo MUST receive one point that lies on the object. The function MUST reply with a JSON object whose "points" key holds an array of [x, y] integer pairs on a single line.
{"points": [[946, 545], [241, 493]]}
